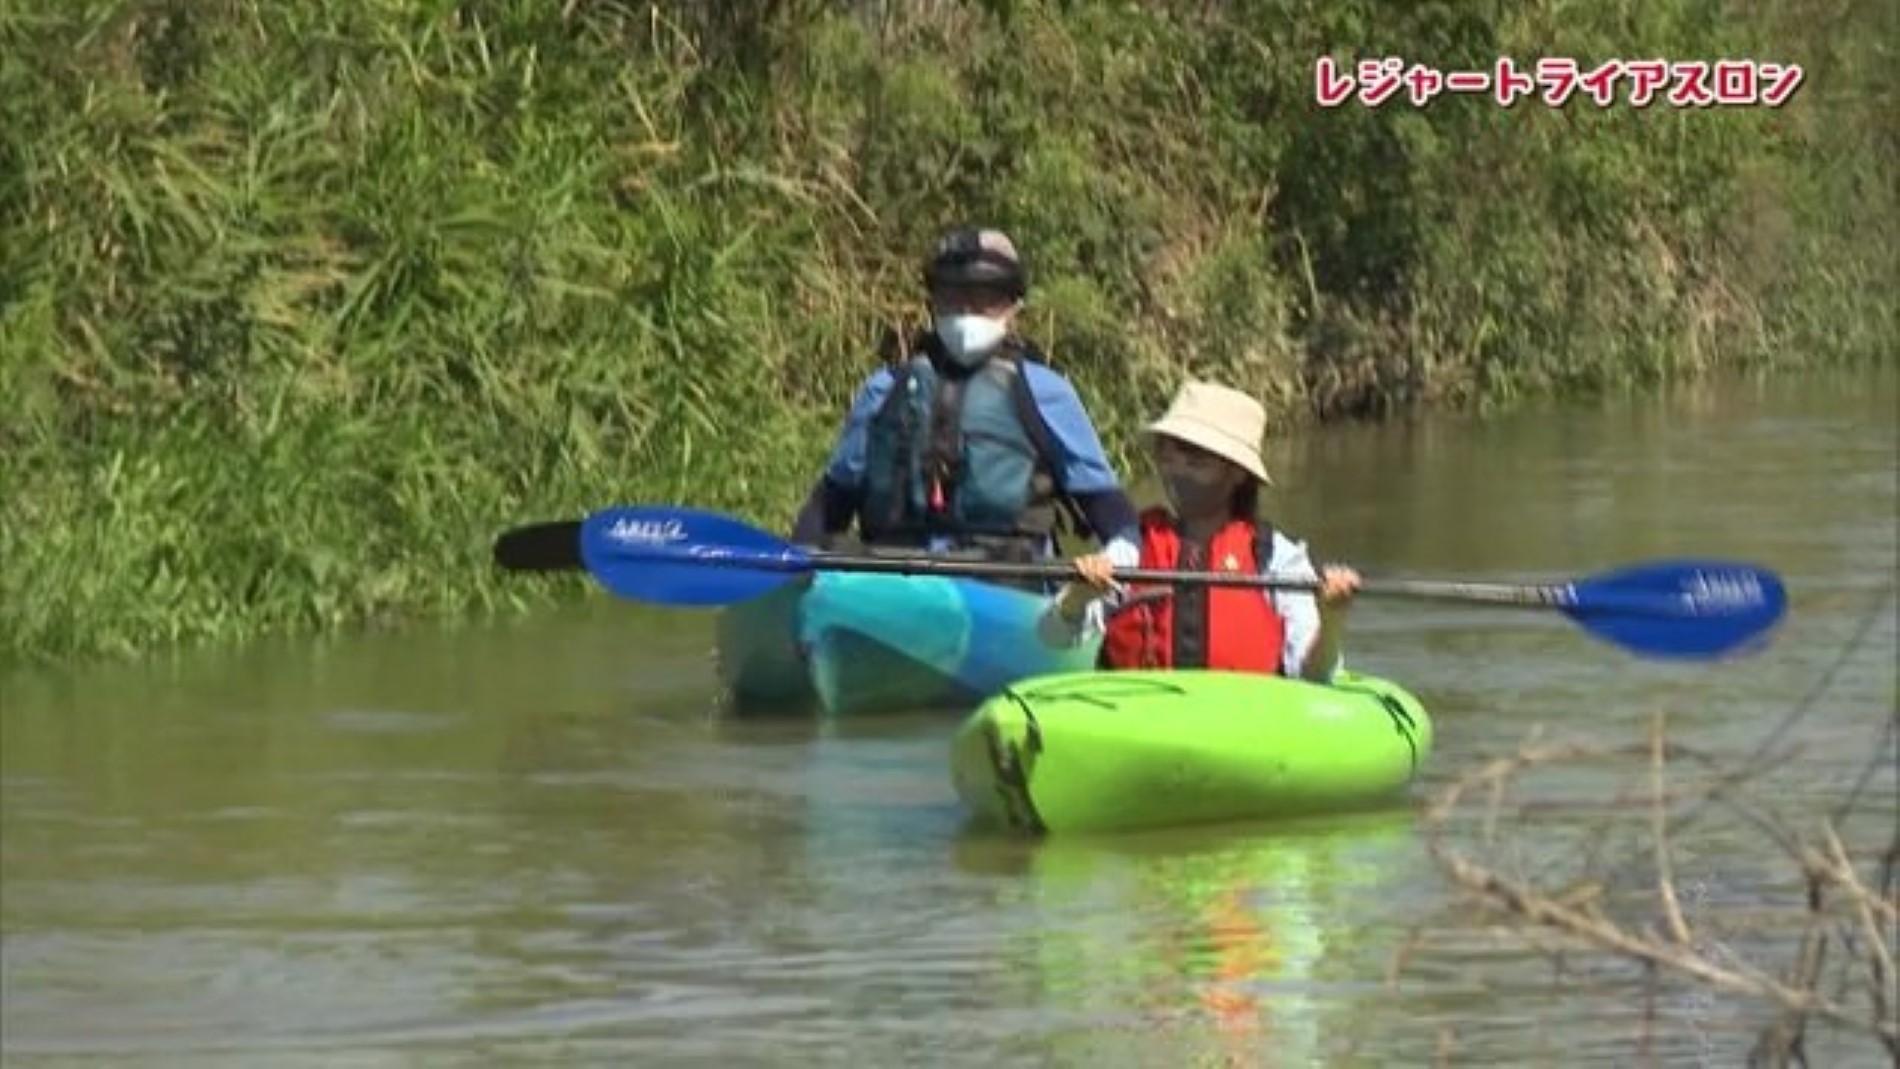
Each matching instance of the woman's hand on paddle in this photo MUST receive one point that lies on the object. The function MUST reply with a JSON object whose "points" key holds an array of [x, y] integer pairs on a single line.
{"points": [[1098, 570], [1337, 585]]}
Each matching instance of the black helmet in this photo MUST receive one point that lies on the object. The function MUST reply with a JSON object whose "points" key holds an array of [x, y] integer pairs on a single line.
{"points": [[969, 257]]}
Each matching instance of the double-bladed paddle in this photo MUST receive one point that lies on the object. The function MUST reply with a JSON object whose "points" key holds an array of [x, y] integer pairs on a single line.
{"points": [[1680, 609]]}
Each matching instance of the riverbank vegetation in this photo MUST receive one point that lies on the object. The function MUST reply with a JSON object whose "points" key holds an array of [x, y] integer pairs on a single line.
{"points": [[300, 304]]}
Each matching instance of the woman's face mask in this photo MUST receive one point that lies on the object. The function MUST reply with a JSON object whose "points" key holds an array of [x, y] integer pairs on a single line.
{"points": [[1197, 493], [1198, 483]]}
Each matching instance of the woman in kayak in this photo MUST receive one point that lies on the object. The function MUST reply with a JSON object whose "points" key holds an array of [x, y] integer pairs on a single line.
{"points": [[1206, 453]]}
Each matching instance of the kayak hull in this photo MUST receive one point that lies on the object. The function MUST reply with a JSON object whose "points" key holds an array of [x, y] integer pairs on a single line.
{"points": [[853, 644], [757, 653], [1097, 752]]}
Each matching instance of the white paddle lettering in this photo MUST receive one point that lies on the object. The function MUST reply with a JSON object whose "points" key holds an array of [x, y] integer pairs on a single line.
{"points": [[1737, 590], [647, 532]]}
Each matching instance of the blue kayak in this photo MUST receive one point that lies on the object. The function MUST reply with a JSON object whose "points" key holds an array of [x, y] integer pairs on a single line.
{"points": [[851, 644]]}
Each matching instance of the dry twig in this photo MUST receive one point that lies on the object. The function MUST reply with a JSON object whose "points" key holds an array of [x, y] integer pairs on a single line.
{"points": [[1839, 907]]}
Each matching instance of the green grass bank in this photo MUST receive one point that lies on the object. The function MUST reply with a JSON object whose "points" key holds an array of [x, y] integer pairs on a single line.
{"points": [[301, 303]]}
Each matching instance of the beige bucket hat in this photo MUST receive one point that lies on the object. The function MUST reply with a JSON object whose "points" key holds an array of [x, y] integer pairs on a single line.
{"points": [[1223, 421]]}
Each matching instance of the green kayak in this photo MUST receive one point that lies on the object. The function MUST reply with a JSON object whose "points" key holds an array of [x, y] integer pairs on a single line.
{"points": [[1119, 751]]}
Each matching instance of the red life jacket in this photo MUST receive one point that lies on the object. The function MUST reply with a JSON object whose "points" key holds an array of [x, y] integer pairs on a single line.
{"points": [[1244, 633]]}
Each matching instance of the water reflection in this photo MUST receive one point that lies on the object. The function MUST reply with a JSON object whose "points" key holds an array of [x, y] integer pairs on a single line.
{"points": [[1230, 945]]}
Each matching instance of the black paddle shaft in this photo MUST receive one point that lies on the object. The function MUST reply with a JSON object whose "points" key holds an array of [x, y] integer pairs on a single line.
{"points": [[1497, 593]]}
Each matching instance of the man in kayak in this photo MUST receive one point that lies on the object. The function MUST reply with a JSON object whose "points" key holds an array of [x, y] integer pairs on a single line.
{"points": [[969, 446], [1206, 453]]}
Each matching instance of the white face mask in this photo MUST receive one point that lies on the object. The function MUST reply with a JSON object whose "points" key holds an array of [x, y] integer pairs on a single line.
{"points": [[970, 338]]}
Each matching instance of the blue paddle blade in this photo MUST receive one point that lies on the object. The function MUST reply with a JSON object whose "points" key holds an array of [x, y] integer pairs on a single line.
{"points": [[1680, 609], [685, 557]]}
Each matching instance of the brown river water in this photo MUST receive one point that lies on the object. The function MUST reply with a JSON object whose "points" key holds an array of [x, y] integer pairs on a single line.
{"points": [[541, 843]]}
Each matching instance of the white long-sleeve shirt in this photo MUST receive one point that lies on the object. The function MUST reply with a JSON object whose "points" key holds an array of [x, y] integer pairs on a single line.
{"points": [[1298, 608]]}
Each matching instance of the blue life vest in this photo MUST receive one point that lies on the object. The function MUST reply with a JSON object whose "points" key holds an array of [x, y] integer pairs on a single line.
{"points": [[962, 457]]}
